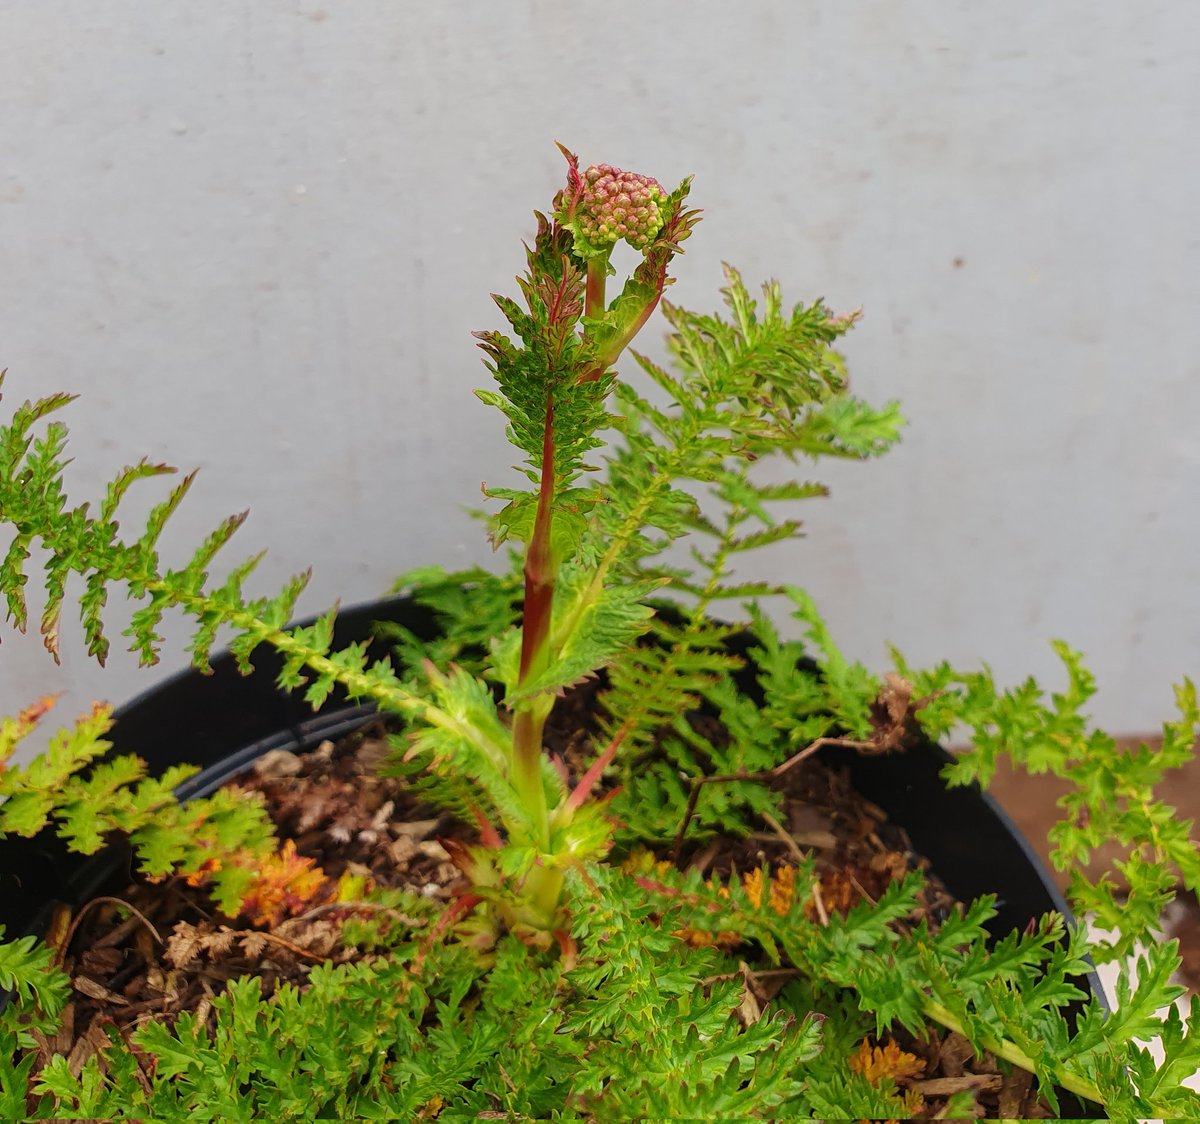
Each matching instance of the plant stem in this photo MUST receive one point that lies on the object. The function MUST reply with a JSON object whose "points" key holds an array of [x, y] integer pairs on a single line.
{"points": [[597, 275], [1013, 1053], [530, 714], [539, 566], [597, 271], [619, 343], [543, 890], [527, 768]]}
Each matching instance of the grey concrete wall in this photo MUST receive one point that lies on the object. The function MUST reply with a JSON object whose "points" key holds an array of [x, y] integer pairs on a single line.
{"points": [[255, 236]]}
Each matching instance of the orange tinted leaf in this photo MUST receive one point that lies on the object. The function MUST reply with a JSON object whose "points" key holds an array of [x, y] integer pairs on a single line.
{"points": [[780, 891], [285, 886], [201, 873], [783, 890], [876, 1063], [752, 883]]}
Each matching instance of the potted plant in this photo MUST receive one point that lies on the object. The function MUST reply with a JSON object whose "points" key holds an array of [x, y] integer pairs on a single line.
{"points": [[631, 887]]}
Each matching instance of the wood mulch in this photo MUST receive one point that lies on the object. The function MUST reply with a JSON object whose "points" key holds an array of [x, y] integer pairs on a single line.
{"points": [[176, 952]]}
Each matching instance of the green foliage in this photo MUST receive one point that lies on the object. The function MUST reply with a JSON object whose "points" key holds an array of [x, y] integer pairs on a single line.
{"points": [[472, 741], [1011, 998], [88, 797], [669, 1042], [750, 386], [27, 970], [33, 505], [373, 1040], [540, 381], [657, 682], [588, 633], [300, 1056], [654, 797], [685, 715], [1113, 795], [469, 609], [839, 700], [648, 1011], [643, 1023]]}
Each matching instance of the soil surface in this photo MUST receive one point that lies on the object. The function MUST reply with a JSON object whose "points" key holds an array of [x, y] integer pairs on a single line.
{"points": [[341, 824]]}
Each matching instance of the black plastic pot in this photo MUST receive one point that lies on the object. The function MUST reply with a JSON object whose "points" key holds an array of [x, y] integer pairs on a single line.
{"points": [[224, 721]]}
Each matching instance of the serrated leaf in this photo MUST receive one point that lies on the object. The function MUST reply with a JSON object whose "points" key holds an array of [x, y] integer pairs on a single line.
{"points": [[607, 625]]}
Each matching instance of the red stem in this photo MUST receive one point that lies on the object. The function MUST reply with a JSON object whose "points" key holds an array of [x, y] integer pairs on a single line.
{"points": [[530, 713], [539, 568], [589, 779]]}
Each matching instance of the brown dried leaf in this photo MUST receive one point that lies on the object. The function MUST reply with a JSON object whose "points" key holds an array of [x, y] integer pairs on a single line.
{"points": [[749, 1011], [220, 943], [162, 982], [893, 715], [253, 944], [203, 1009], [319, 937], [755, 993]]}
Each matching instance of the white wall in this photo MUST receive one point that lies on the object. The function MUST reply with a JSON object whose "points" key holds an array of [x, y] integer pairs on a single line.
{"points": [[255, 236]]}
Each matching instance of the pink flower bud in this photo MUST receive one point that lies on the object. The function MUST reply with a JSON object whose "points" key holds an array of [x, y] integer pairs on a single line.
{"points": [[616, 204]]}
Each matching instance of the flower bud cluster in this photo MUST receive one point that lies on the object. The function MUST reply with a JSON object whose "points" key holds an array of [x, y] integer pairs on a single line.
{"points": [[617, 204]]}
